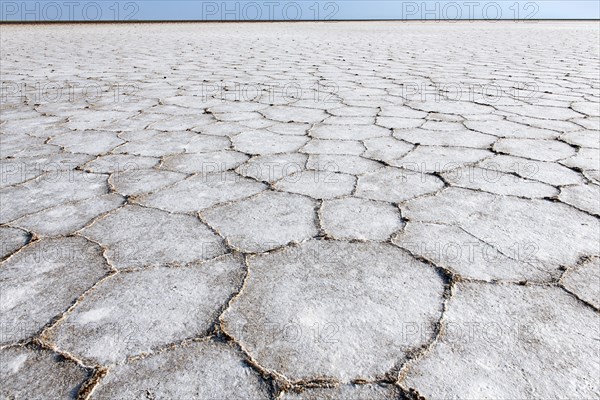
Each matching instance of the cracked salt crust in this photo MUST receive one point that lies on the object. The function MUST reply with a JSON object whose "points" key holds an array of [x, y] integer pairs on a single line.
{"points": [[460, 138], [349, 132], [120, 163], [510, 129], [132, 211]]}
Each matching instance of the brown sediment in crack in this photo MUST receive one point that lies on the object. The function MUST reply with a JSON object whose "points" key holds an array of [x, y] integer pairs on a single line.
{"points": [[88, 387], [322, 232]]}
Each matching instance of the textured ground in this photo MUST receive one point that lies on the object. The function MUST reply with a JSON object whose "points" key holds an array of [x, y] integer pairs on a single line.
{"points": [[303, 211]]}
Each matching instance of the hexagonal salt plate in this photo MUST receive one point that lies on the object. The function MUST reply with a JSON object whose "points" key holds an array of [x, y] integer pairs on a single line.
{"points": [[42, 281], [49, 190], [396, 185], [67, 218], [288, 128], [552, 125], [334, 309], [87, 142], [265, 142], [346, 164], [453, 248], [494, 181], [536, 231], [155, 144], [271, 168], [542, 150], [238, 116], [293, 114], [18, 170], [30, 373], [440, 158], [386, 148], [136, 312], [120, 163], [547, 172], [399, 122], [462, 138], [197, 370], [140, 181], [203, 191], [588, 107], [204, 162], [318, 184], [349, 132], [549, 113], [511, 342], [264, 222], [137, 236], [451, 107], [326, 146], [352, 218], [510, 129]]}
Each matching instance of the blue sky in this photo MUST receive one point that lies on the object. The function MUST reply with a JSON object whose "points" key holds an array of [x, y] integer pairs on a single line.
{"points": [[243, 10]]}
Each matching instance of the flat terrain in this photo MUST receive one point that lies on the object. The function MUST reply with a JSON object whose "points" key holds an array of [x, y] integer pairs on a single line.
{"points": [[358, 210]]}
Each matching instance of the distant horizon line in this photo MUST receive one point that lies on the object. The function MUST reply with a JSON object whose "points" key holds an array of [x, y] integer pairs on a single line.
{"points": [[17, 22]]}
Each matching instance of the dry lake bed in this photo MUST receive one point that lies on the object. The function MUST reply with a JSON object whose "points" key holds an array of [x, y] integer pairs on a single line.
{"points": [[351, 210]]}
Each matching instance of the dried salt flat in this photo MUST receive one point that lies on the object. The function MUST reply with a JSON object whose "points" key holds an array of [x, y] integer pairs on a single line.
{"points": [[181, 242]]}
